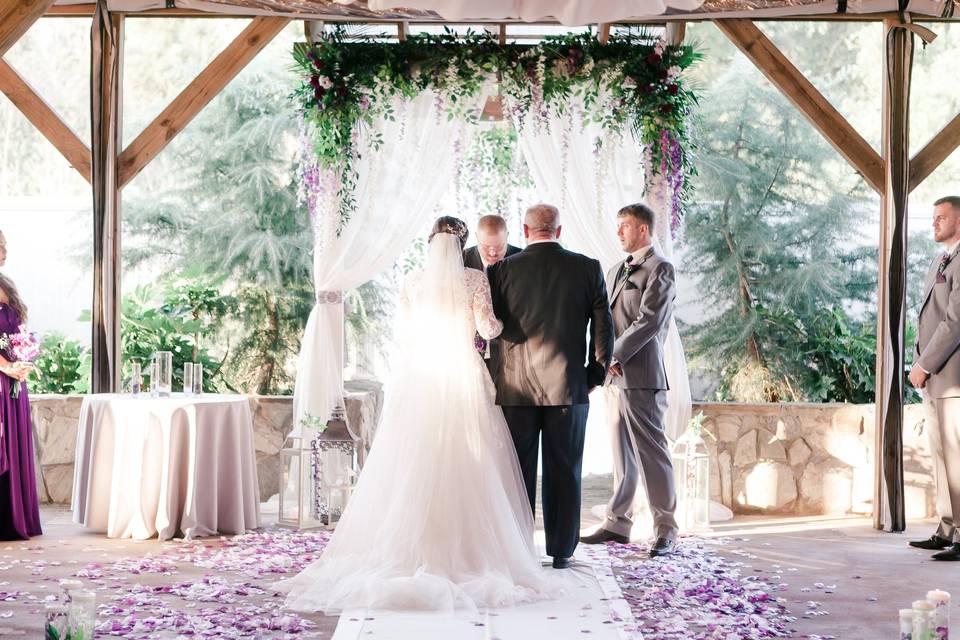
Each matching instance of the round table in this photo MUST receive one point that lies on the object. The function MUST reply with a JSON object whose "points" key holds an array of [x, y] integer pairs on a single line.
{"points": [[176, 465]]}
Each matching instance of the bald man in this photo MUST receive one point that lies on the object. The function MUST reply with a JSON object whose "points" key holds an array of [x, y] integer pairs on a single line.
{"points": [[550, 300]]}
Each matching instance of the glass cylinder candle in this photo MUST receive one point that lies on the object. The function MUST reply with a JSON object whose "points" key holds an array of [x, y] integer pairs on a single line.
{"points": [[164, 362], [154, 383], [906, 624], [135, 378], [940, 617], [67, 587], [56, 621], [82, 614], [922, 620], [188, 378], [197, 378]]}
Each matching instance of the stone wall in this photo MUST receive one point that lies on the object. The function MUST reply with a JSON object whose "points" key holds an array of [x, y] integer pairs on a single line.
{"points": [[55, 435], [808, 459], [791, 459]]}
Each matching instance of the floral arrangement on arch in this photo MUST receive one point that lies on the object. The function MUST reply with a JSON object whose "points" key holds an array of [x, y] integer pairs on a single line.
{"points": [[633, 84]]}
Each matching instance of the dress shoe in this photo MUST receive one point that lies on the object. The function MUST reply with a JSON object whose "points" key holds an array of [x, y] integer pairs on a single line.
{"points": [[662, 547], [561, 563], [952, 553], [933, 543], [602, 535]]}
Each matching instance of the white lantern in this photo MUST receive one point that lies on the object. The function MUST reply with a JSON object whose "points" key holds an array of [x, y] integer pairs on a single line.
{"points": [[318, 474], [691, 474]]}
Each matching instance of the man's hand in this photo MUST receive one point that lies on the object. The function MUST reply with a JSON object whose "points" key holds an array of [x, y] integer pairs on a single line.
{"points": [[918, 377], [615, 369]]}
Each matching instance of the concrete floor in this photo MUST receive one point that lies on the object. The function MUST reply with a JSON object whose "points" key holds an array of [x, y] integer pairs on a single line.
{"points": [[859, 577]]}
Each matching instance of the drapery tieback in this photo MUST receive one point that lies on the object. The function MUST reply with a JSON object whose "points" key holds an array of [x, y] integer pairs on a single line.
{"points": [[329, 297]]}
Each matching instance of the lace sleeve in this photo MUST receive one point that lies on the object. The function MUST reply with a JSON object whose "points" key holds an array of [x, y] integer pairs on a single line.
{"points": [[487, 324]]}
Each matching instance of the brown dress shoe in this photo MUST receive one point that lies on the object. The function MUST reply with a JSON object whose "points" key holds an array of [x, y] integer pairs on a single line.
{"points": [[601, 536]]}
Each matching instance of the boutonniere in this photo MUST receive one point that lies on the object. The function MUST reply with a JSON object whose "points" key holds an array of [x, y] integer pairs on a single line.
{"points": [[944, 261], [629, 267]]}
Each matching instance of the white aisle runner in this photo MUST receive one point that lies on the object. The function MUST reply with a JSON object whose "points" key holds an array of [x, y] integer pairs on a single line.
{"points": [[593, 608]]}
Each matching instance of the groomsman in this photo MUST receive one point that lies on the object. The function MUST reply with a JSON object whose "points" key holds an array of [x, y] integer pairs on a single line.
{"points": [[936, 370], [491, 248], [492, 245], [641, 291]]}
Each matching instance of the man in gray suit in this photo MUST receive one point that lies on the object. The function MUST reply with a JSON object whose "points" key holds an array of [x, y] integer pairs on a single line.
{"points": [[936, 370], [641, 291]]}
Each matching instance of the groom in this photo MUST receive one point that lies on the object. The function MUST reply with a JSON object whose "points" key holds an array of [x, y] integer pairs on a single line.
{"points": [[548, 298]]}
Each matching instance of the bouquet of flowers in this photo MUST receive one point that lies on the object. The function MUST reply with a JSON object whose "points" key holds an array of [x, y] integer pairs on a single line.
{"points": [[25, 348]]}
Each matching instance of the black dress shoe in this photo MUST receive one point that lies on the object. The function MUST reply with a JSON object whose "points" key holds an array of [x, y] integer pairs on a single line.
{"points": [[602, 536], [933, 543], [662, 547], [952, 553], [561, 563]]}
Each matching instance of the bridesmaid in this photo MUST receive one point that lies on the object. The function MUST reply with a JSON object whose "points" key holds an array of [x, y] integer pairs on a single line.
{"points": [[19, 511]]}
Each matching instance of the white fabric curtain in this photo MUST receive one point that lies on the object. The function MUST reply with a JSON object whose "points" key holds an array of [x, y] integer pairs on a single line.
{"points": [[397, 192], [568, 12], [589, 186]]}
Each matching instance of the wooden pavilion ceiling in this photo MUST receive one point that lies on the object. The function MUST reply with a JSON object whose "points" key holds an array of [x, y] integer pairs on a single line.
{"points": [[358, 10]]}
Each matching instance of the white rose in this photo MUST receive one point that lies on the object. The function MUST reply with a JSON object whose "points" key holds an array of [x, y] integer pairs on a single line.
{"points": [[326, 82], [673, 72]]}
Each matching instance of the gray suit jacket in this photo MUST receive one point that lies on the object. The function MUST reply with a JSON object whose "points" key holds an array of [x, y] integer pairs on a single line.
{"points": [[642, 305], [938, 330]]}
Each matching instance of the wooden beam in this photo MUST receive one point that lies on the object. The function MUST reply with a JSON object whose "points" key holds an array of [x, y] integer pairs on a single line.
{"points": [[46, 121], [676, 31], [197, 95], [403, 30], [503, 35], [16, 18], [934, 152], [604, 32], [811, 103], [313, 30]]}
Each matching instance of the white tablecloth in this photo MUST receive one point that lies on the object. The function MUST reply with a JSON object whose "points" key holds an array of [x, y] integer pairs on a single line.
{"points": [[166, 466]]}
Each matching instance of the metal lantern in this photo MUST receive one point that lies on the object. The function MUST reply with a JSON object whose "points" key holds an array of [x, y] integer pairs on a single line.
{"points": [[691, 474], [318, 474]]}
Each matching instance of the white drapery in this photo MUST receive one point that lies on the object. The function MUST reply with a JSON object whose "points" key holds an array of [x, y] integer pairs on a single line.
{"points": [[568, 12], [590, 185], [398, 188]]}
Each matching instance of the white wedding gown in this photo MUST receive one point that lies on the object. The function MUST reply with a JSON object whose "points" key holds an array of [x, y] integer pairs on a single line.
{"points": [[439, 519]]}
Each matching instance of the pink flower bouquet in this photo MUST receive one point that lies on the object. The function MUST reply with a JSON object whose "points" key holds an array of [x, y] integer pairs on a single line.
{"points": [[24, 346]]}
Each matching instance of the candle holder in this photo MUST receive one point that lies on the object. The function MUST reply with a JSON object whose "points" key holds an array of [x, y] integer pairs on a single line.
{"points": [[164, 364], [691, 475]]}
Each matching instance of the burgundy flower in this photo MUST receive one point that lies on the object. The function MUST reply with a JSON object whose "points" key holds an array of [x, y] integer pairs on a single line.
{"points": [[342, 92], [315, 81], [673, 89], [319, 64], [664, 74], [654, 58], [666, 109]]}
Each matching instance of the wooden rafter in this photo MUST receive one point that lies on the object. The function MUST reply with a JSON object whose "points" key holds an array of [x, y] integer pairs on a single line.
{"points": [[172, 120], [934, 152], [16, 18], [811, 103], [44, 119]]}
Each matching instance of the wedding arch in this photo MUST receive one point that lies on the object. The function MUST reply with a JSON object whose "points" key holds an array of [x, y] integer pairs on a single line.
{"points": [[600, 124]]}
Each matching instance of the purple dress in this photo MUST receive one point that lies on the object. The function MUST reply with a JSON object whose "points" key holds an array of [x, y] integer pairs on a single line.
{"points": [[19, 511]]}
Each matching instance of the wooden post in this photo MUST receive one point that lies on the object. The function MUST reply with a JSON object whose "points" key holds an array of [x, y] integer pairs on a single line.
{"points": [[604, 29], [313, 30], [675, 33], [889, 508], [105, 115]]}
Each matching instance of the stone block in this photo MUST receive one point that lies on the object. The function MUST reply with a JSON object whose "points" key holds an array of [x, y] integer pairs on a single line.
{"points": [[727, 428], [771, 448], [788, 428], [55, 439], [746, 449], [56, 483], [767, 486], [847, 447], [799, 453], [725, 465]]}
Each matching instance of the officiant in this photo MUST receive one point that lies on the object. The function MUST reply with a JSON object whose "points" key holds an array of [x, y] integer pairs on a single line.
{"points": [[491, 248]]}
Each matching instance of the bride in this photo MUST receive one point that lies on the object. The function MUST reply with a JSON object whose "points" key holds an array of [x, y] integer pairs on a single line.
{"points": [[439, 519]]}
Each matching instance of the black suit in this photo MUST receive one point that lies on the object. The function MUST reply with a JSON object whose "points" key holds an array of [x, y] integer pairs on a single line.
{"points": [[472, 260], [548, 298]]}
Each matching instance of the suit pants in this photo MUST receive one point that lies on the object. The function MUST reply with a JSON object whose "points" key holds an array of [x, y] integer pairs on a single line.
{"points": [[640, 453], [563, 429], [943, 429]]}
